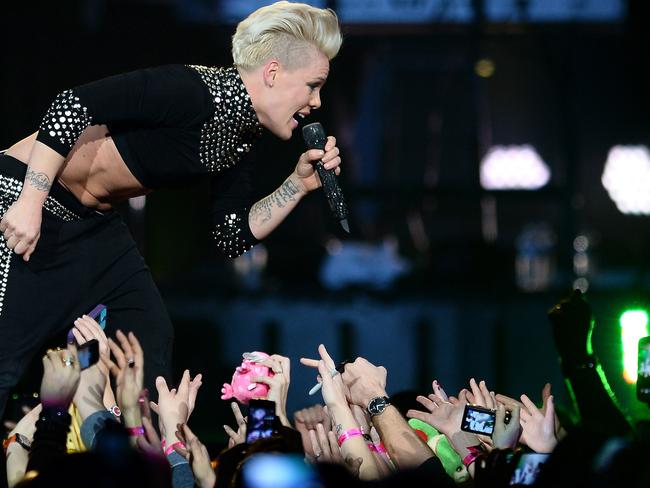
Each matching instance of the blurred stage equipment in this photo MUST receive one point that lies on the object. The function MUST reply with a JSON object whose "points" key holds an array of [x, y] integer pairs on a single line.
{"points": [[634, 326], [626, 178], [513, 168]]}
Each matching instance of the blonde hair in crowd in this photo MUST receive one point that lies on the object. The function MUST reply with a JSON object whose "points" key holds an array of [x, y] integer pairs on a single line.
{"points": [[285, 31]]}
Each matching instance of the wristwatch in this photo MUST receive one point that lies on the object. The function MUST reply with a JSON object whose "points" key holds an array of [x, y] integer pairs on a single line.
{"points": [[19, 439], [377, 405]]}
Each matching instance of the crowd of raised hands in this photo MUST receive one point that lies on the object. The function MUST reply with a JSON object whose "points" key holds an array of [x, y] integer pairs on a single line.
{"points": [[358, 434]]}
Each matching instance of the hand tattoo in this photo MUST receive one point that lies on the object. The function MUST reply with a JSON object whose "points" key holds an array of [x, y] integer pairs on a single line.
{"points": [[261, 212], [40, 181]]}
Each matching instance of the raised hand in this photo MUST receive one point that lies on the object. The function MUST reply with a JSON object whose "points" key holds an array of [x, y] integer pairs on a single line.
{"points": [[325, 446], [572, 324], [482, 395], [173, 407], [307, 177], [307, 419], [128, 370], [197, 455], [311, 416], [506, 435], [278, 384], [440, 413], [61, 374], [94, 391], [539, 427], [238, 437]]}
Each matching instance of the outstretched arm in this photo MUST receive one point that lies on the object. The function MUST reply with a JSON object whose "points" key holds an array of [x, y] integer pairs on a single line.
{"points": [[240, 225], [572, 324], [267, 214]]}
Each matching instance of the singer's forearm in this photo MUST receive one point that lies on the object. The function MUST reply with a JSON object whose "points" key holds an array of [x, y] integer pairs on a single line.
{"points": [[270, 211]]}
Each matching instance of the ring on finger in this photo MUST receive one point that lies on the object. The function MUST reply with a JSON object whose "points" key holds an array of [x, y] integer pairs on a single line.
{"points": [[69, 361], [131, 362]]}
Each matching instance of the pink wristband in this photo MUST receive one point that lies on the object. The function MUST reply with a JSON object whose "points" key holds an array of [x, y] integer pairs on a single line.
{"points": [[474, 453], [170, 449], [135, 431], [349, 433]]}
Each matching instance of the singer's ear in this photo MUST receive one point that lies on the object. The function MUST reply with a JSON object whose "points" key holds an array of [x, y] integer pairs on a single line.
{"points": [[270, 72]]}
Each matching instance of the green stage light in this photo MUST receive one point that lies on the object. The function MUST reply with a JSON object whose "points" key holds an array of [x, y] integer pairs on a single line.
{"points": [[634, 326]]}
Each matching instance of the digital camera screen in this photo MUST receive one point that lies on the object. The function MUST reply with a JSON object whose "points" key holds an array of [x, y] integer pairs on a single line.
{"points": [[479, 421], [261, 423], [528, 468]]}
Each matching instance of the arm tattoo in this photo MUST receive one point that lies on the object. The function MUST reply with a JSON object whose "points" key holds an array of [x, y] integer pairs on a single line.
{"points": [[40, 181], [339, 429], [261, 212]]}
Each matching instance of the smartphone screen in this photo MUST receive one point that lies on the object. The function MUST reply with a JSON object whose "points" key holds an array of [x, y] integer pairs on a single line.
{"points": [[88, 354], [528, 468], [643, 379], [261, 420], [478, 420]]}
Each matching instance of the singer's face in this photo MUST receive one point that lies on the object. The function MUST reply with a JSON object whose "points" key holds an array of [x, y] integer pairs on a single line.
{"points": [[294, 94]]}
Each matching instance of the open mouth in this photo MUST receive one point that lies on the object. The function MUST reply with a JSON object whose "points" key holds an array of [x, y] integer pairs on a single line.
{"points": [[299, 117]]}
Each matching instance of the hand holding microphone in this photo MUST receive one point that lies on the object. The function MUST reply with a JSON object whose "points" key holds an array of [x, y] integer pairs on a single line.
{"points": [[315, 138]]}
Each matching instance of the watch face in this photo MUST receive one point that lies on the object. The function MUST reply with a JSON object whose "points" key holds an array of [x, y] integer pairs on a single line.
{"points": [[377, 405]]}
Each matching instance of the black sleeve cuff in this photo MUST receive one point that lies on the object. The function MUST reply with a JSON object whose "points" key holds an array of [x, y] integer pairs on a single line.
{"points": [[232, 233], [63, 123]]}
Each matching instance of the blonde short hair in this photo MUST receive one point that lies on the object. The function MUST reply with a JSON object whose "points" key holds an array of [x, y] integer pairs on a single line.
{"points": [[286, 31]]}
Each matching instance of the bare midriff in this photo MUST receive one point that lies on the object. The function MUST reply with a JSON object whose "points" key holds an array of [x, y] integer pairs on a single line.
{"points": [[94, 171]]}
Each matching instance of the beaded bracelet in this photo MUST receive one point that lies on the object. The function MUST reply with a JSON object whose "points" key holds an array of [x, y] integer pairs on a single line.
{"points": [[349, 433]]}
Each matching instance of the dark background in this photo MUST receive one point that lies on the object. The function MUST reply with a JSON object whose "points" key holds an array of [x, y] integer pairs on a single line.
{"points": [[413, 119]]}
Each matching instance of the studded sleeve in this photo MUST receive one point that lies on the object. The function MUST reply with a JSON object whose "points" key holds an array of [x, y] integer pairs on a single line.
{"points": [[232, 193], [165, 96]]}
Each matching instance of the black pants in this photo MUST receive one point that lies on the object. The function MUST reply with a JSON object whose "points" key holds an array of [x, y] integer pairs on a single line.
{"points": [[83, 258]]}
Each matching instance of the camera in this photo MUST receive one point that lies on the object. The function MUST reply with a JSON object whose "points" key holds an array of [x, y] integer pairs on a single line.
{"points": [[478, 420]]}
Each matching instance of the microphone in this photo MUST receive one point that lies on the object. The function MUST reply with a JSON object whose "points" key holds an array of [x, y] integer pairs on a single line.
{"points": [[315, 138]]}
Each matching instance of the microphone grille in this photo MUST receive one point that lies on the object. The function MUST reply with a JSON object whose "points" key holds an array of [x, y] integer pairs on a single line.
{"points": [[314, 136]]}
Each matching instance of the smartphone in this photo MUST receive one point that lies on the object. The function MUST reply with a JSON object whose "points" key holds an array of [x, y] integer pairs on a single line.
{"points": [[643, 379], [88, 354], [262, 421], [99, 314], [528, 468], [478, 420]]}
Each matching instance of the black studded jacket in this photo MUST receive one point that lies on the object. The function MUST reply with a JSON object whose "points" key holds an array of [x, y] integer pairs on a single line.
{"points": [[172, 125]]}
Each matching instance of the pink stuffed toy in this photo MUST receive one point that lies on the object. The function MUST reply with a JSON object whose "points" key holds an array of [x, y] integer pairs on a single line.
{"points": [[242, 387]]}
